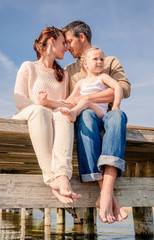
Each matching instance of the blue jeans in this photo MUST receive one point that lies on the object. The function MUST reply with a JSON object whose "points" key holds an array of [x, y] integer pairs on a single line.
{"points": [[93, 152]]}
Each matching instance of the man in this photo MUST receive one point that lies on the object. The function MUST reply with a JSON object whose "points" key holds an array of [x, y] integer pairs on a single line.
{"points": [[100, 161]]}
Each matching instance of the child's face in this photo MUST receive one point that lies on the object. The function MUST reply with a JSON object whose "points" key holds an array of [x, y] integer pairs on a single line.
{"points": [[94, 62]]}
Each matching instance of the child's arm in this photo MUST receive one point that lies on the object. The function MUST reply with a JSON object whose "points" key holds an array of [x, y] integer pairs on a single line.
{"points": [[118, 91], [76, 91]]}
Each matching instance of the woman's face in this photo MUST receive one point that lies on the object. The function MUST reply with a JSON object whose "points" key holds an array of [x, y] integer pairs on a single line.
{"points": [[59, 47]]}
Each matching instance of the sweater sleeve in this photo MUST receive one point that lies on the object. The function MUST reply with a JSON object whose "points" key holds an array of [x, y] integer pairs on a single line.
{"points": [[66, 78], [21, 98], [117, 72]]}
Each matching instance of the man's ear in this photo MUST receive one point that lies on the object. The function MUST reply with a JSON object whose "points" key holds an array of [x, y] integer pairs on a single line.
{"points": [[82, 37]]}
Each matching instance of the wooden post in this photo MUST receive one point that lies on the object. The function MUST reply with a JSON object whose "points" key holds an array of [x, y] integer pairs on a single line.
{"points": [[143, 221], [47, 232], [142, 216], [0, 218], [23, 228], [88, 223], [47, 218], [60, 216], [23, 213], [80, 216]]}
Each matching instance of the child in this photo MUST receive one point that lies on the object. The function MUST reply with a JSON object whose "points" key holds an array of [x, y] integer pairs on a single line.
{"points": [[96, 80]]}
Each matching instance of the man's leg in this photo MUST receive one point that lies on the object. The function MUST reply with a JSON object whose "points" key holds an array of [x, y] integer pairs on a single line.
{"points": [[111, 163], [87, 128]]}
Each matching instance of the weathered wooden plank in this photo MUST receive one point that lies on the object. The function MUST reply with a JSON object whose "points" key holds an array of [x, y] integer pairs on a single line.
{"points": [[138, 134], [16, 148], [13, 125], [20, 168], [18, 157], [17, 191]]}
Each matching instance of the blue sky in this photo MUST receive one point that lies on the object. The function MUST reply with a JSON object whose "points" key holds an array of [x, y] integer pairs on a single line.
{"points": [[124, 29]]}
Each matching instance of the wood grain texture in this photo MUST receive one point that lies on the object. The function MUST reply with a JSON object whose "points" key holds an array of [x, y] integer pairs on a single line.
{"points": [[17, 191]]}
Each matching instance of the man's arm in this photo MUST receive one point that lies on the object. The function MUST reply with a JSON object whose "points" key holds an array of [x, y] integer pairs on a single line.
{"points": [[113, 67]]}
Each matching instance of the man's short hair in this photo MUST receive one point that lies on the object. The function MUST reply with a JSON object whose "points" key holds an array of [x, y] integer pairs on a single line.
{"points": [[77, 27]]}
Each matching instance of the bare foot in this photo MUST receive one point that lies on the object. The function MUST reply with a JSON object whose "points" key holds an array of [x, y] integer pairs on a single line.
{"points": [[106, 208], [118, 212], [63, 199], [42, 98], [69, 113], [63, 186]]}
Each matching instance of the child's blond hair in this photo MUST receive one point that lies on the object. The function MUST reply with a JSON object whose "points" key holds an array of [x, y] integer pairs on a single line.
{"points": [[86, 52]]}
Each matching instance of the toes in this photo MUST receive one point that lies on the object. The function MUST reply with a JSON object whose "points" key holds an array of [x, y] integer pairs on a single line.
{"points": [[118, 217], [62, 199], [102, 218]]}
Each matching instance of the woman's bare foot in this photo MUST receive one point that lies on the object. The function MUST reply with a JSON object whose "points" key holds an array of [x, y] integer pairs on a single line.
{"points": [[63, 186], [69, 113], [42, 98], [63, 199]]}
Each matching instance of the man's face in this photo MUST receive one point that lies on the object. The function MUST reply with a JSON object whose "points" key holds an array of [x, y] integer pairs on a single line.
{"points": [[74, 45]]}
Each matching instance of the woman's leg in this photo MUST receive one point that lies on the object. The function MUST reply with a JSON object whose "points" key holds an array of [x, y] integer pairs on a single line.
{"points": [[42, 132], [62, 154]]}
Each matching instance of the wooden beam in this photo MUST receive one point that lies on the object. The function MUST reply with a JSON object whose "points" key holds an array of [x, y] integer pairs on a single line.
{"points": [[19, 127], [17, 191]]}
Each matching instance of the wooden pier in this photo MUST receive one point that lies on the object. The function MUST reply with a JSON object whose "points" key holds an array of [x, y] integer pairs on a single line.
{"points": [[21, 182]]}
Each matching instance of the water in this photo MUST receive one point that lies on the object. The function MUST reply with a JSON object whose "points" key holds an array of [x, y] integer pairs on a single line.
{"points": [[33, 228]]}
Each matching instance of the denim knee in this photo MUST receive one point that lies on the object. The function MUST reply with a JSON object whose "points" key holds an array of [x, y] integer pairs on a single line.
{"points": [[115, 117]]}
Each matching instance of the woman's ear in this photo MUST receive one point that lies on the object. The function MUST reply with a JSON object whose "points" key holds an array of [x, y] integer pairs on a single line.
{"points": [[52, 41]]}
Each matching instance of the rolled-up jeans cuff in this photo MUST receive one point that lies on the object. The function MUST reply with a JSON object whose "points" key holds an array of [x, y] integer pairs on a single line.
{"points": [[91, 177], [113, 161]]}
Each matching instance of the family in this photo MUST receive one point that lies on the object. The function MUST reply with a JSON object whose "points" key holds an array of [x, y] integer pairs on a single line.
{"points": [[85, 95]]}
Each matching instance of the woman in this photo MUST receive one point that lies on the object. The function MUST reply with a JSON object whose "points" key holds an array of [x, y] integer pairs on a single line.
{"points": [[51, 133]]}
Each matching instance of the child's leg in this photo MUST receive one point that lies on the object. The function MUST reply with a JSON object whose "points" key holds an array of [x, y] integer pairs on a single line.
{"points": [[52, 104], [82, 105]]}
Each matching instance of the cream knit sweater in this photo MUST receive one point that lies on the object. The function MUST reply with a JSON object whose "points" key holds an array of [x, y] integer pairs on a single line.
{"points": [[33, 78]]}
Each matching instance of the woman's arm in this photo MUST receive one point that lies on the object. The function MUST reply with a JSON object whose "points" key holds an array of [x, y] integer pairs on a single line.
{"points": [[21, 88]]}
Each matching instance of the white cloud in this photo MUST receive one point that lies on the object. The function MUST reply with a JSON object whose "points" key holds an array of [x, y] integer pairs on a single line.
{"points": [[144, 84], [8, 71], [7, 64]]}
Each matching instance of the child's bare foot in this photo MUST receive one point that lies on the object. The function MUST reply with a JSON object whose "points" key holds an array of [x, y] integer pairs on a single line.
{"points": [[69, 113], [63, 186], [42, 98]]}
